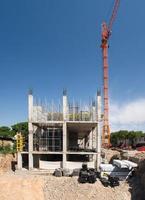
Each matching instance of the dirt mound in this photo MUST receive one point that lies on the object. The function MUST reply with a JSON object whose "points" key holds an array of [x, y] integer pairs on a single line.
{"points": [[65, 188], [17, 187], [111, 154], [6, 162], [140, 156], [35, 187]]}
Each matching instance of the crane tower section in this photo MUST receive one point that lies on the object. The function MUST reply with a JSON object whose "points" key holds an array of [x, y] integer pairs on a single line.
{"points": [[106, 32]]}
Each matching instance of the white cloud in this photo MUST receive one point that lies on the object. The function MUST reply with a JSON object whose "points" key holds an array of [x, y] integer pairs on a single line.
{"points": [[130, 116]]}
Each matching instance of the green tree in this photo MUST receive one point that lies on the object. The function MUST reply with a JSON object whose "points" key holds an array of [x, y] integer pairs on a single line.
{"points": [[124, 135], [5, 131], [20, 127], [134, 135], [114, 138], [119, 135]]}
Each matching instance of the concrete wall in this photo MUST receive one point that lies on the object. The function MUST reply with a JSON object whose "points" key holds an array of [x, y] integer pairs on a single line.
{"points": [[50, 164], [57, 164], [75, 165]]}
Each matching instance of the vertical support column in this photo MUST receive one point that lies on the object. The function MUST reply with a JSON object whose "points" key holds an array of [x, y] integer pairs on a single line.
{"points": [[19, 158], [30, 146], [91, 139], [94, 114], [99, 129], [64, 144], [30, 127], [65, 106], [65, 118], [94, 136]]}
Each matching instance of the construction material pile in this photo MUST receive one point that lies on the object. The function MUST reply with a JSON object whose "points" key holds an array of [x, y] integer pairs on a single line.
{"points": [[87, 175], [59, 172], [121, 169], [110, 181]]}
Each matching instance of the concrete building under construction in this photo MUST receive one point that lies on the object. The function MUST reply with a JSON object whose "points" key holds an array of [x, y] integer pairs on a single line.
{"points": [[62, 136]]}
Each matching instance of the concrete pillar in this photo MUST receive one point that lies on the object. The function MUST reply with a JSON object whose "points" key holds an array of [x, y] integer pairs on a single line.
{"points": [[30, 161], [94, 137], [30, 127], [91, 140], [99, 111], [95, 160], [65, 106], [94, 113], [30, 146], [65, 118], [19, 159], [64, 144], [30, 107]]}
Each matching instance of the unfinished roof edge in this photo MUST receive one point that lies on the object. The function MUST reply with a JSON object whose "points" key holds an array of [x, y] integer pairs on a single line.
{"points": [[67, 110]]}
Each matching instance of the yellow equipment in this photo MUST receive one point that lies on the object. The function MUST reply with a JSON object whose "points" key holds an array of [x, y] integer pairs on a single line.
{"points": [[20, 142]]}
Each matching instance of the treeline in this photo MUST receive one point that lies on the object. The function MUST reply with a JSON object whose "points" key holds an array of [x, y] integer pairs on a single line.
{"points": [[6, 131], [125, 135]]}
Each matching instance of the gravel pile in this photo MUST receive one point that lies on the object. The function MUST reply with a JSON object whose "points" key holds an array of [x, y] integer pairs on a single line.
{"points": [[140, 156], [109, 154], [66, 188]]}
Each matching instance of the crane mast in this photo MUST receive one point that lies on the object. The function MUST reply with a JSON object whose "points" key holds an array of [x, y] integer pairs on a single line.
{"points": [[106, 32]]}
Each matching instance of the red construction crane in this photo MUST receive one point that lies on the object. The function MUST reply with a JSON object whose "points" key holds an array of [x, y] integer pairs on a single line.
{"points": [[106, 32]]}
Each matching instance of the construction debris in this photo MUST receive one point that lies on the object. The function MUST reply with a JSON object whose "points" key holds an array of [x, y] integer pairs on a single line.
{"points": [[58, 172], [110, 181], [87, 175], [121, 169], [67, 172]]}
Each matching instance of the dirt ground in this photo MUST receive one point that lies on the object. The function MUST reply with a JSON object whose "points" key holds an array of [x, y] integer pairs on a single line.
{"points": [[69, 188], [21, 187], [36, 187]]}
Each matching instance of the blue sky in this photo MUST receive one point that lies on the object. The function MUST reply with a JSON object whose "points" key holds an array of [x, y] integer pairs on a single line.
{"points": [[52, 44]]}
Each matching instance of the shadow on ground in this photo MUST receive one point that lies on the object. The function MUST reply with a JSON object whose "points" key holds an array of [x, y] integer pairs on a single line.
{"points": [[137, 183]]}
